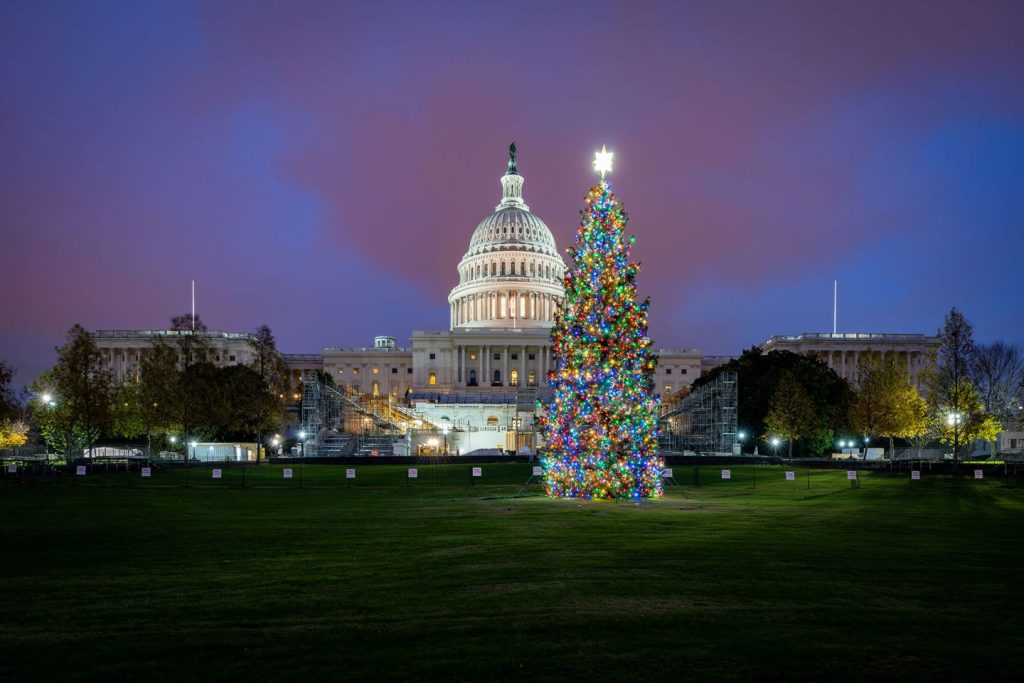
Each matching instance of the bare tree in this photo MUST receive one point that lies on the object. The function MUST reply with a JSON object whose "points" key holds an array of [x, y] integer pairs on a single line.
{"points": [[999, 376]]}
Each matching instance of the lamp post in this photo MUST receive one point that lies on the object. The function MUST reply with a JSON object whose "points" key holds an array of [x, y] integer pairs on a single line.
{"points": [[188, 469], [954, 420], [775, 445], [444, 431], [51, 403], [740, 436], [302, 440]]}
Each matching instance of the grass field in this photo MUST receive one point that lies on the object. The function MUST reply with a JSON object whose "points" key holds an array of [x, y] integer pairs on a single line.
{"points": [[111, 576]]}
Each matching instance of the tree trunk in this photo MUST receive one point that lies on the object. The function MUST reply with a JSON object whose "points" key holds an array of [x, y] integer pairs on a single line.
{"points": [[791, 449]]}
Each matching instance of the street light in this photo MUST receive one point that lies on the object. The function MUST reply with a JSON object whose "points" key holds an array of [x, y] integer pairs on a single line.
{"points": [[302, 440], [444, 430], [775, 445]]}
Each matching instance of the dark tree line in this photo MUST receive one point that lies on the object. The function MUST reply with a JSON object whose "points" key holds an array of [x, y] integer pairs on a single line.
{"points": [[177, 391]]}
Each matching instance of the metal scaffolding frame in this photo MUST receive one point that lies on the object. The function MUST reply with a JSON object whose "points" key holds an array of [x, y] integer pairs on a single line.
{"points": [[706, 420], [340, 423]]}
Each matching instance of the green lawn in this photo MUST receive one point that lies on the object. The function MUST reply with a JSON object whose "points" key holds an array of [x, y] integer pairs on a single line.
{"points": [[111, 576]]}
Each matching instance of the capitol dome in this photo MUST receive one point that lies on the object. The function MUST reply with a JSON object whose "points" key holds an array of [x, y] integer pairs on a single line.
{"points": [[512, 274]]}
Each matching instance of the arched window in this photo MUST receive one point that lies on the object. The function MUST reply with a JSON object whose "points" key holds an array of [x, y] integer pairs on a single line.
{"points": [[533, 269], [433, 379], [531, 378], [472, 378], [502, 267], [514, 378], [376, 389], [497, 376], [522, 267], [492, 420]]}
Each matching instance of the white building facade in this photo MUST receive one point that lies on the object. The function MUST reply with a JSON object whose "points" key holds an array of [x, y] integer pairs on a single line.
{"points": [[844, 352]]}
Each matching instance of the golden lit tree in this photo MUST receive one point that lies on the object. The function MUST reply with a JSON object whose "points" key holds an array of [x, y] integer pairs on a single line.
{"points": [[887, 404]]}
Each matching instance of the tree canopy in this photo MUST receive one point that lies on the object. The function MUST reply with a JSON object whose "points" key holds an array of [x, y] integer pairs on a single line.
{"points": [[758, 376]]}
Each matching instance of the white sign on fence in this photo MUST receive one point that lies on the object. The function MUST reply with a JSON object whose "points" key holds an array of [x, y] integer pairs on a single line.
{"points": [[287, 473], [851, 474], [978, 474], [790, 476], [350, 474], [915, 474], [537, 471], [726, 474], [413, 474], [147, 472], [667, 473], [478, 472], [80, 470], [12, 469], [216, 474]]}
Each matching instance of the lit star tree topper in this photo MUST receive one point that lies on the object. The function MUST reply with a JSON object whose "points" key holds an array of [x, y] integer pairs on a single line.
{"points": [[600, 431]]}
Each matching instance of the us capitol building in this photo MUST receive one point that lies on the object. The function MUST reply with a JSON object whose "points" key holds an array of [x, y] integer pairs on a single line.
{"points": [[496, 352]]}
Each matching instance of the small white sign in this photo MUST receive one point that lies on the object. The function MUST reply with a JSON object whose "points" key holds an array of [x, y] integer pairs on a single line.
{"points": [[216, 474], [350, 474], [538, 471], [978, 474], [790, 476], [287, 473], [851, 474], [726, 474], [80, 471], [915, 474], [147, 472], [12, 469], [667, 473], [478, 472], [413, 474]]}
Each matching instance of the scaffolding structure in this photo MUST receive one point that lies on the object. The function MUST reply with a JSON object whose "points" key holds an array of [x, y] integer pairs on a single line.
{"points": [[337, 422], [706, 420]]}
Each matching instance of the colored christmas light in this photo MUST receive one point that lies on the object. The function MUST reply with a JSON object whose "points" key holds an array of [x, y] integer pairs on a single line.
{"points": [[601, 429]]}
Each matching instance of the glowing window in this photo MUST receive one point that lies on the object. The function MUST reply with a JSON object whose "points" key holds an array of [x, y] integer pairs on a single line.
{"points": [[376, 371], [433, 378], [492, 420]]}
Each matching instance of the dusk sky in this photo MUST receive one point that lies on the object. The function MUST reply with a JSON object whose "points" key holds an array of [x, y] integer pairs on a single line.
{"points": [[320, 167]]}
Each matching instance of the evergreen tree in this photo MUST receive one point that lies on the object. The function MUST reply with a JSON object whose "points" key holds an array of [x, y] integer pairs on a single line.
{"points": [[601, 429]]}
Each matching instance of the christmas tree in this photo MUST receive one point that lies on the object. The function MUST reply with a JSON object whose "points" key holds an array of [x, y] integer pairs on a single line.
{"points": [[601, 428]]}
